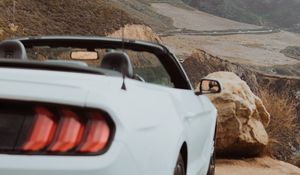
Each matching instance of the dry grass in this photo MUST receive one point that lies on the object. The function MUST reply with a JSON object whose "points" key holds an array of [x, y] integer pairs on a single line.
{"points": [[283, 128], [58, 17]]}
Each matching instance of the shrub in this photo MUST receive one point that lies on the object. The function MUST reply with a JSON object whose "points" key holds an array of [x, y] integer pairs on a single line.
{"points": [[283, 129]]}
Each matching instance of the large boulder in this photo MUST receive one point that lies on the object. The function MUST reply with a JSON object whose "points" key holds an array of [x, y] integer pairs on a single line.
{"points": [[242, 117]]}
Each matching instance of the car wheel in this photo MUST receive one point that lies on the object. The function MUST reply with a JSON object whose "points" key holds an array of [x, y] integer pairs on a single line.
{"points": [[179, 168]]}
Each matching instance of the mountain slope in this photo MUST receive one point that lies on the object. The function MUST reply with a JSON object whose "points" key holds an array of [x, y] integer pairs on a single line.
{"points": [[77, 17], [275, 13], [57, 17]]}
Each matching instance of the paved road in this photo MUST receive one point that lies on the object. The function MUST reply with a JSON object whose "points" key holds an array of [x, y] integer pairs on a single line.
{"points": [[219, 32]]}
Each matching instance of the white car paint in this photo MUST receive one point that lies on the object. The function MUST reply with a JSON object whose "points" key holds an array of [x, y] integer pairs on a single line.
{"points": [[152, 124]]}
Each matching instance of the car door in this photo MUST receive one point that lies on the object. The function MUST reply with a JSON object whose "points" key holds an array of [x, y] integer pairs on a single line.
{"points": [[195, 111], [197, 116]]}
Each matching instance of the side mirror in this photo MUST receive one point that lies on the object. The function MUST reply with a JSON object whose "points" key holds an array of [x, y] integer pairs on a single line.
{"points": [[209, 86]]}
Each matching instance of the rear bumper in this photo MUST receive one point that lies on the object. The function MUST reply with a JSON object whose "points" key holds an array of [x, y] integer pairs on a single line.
{"points": [[116, 161]]}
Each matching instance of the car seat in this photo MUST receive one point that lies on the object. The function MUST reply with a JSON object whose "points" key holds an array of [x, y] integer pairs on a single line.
{"points": [[12, 49], [117, 61]]}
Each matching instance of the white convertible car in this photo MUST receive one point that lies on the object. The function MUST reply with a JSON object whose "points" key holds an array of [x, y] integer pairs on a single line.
{"points": [[101, 106]]}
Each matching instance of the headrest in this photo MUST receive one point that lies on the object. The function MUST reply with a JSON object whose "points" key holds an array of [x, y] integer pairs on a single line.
{"points": [[12, 49], [118, 61]]}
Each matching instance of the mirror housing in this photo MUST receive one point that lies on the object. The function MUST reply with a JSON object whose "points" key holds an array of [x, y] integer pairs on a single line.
{"points": [[84, 55], [209, 86]]}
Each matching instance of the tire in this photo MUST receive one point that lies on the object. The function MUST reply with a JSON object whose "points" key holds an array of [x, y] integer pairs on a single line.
{"points": [[180, 167]]}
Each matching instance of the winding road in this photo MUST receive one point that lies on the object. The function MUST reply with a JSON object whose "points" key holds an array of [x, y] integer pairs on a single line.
{"points": [[219, 32]]}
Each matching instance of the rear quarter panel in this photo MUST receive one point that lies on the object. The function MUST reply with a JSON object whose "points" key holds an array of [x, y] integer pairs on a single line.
{"points": [[148, 122]]}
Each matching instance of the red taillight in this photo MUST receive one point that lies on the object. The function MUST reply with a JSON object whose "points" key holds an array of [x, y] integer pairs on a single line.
{"points": [[71, 131], [98, 134], [42, 132], [68, 132]]}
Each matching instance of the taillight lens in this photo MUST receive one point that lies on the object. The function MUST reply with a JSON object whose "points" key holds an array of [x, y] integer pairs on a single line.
{"points": [[43, 130], [71, 132], [63, 131], [98, 133]]}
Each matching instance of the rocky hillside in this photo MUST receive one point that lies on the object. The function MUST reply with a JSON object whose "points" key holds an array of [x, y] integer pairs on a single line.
{"points": [[201, 63], [275, 13], [56, 17], [137, 32], [77, 17]]}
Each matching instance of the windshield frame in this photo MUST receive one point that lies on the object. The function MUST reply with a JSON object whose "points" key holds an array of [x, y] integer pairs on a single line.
{"points": [[167, 59]]}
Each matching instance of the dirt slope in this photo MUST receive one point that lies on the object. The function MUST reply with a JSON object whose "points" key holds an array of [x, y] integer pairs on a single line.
{"points": [[257, 166]]}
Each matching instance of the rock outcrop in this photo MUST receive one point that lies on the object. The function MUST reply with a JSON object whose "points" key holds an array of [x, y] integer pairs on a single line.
{"points": [[137, 32], [242, 117], [201, 63]]}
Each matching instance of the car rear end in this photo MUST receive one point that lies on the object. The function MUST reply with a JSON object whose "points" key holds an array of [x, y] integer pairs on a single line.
{"points": [[46, 126], [60, 115]]}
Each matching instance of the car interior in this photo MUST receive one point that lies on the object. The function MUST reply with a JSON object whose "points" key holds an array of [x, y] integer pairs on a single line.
{"points": [[117, 61], [140, 61]]}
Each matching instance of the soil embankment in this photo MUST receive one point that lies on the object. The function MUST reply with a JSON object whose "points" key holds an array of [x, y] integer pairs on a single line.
{"points": [[257, 166]]}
